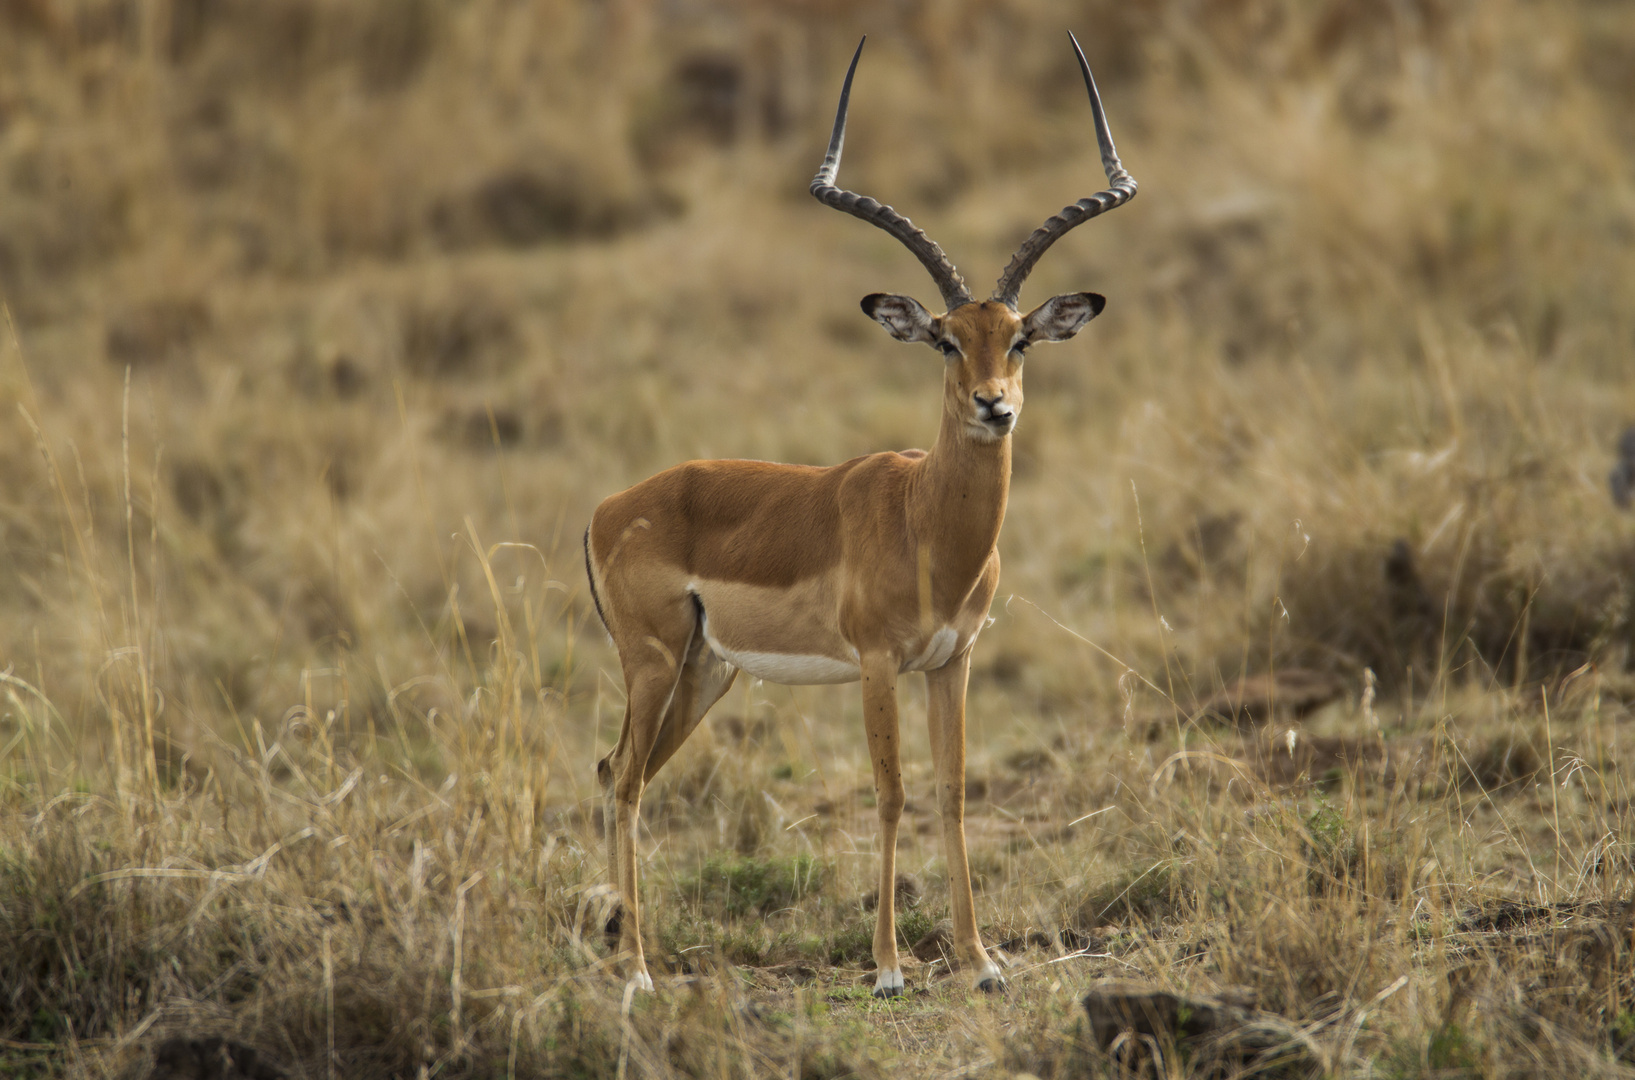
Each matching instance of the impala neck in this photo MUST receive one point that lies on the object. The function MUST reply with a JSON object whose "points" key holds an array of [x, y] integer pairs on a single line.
{"points": [[960, 505]]}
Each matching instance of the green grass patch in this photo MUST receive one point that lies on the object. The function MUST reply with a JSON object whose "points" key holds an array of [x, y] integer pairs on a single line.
{"points": [[1139, 894], [730, 887]]}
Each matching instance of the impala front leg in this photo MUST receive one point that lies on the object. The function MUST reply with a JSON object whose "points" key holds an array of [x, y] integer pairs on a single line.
{"points": [[880, 720], [946, 714]]}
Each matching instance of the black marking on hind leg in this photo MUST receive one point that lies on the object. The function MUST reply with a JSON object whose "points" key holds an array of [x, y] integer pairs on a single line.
{"points": [[591, 574], [698, 609]]}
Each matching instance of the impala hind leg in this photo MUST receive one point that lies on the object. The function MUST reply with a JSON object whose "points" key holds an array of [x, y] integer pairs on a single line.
{"points": [[946, 716], [880, 721], [652, 673], [705, 679]]}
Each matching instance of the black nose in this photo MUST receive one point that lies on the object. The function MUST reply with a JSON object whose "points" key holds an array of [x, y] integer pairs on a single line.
{"points": [[994, 410]]}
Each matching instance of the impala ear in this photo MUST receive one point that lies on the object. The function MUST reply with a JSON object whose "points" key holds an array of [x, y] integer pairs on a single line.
{"points": [[1060, 317], [902, 316]]}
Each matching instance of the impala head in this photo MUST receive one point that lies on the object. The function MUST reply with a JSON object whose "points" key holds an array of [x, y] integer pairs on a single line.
{"points": [[983, 343]]}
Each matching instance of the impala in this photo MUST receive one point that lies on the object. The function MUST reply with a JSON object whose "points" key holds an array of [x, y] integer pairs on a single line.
{"points": [[858, 572]]}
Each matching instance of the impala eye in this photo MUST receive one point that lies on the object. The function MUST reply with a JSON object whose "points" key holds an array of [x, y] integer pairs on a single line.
{"points": [[949, 349], [1021, 348]]}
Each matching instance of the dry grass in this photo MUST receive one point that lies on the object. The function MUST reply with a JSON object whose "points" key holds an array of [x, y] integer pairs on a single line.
{"points": [[329, 323]]}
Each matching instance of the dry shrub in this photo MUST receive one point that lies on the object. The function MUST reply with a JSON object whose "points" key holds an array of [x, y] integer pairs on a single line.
{"points": [[463, 337]]}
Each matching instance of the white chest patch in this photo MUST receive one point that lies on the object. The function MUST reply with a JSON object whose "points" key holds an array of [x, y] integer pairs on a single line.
{"points": [[936, 651]]}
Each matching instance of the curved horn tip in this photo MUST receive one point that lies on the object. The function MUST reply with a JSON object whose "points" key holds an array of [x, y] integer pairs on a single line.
{"points": [[1084, 68], [852, 69], [830, 168]]}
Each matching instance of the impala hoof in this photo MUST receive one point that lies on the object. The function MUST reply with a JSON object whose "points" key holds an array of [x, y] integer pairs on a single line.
{"points": [[889, 984], [989, 980]]}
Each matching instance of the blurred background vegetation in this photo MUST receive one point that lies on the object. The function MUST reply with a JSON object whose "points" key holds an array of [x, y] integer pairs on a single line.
{"points": [[308, 296]]}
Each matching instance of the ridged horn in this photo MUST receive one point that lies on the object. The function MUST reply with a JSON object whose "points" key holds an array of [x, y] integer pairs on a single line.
{"points": [[952, 286], [1121, 190]]}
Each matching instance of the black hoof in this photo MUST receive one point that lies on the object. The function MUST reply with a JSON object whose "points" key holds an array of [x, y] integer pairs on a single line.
{"points": [[888, 991], [991, 986]]}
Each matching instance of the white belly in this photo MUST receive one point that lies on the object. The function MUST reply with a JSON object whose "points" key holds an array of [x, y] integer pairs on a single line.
{"points": [[790, 636], [791, 669], [784, 636], [800, 669]]}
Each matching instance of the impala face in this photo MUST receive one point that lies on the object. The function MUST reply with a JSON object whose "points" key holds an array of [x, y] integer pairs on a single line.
{"points": [[983, 344]]}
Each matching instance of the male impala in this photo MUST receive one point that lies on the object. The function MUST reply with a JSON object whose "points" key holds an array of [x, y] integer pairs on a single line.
{"points": [[860, 571]]}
